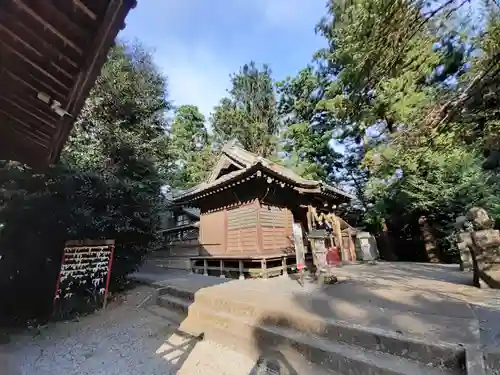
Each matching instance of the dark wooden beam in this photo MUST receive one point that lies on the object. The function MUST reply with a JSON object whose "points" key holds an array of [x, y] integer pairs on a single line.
{"points": [[35, 76], [11, 123], [35, 106], [85, 9], [22, 120], [29, 81], [36, 54], [51, 46], [26, 109], [36, 59], [111, 23], [50, 22]]}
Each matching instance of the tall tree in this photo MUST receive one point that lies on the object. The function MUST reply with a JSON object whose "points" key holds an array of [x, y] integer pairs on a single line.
{"points": [[391, 64], [191, 146], [125, 109], [306, 138], [249, 112], [121, 139]]}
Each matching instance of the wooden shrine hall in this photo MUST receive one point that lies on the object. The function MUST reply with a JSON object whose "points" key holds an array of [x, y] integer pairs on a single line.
{"points": [[51, 52], [255, 213]]}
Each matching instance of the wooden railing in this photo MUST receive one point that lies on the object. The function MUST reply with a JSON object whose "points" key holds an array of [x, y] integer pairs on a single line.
{"points": [[253, 266]]}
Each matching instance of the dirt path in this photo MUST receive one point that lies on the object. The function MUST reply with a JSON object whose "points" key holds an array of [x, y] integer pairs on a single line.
{"points": [[122, 340]]}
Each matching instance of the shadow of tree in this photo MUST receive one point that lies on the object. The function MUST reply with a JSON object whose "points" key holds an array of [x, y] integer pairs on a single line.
{"points": [[396, 305]]}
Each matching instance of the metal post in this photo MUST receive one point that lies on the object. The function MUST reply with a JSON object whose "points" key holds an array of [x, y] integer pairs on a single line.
{"points": [[205, 267]]}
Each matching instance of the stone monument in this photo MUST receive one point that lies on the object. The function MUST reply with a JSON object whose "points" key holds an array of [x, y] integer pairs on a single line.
{"points": [[366, 247]]}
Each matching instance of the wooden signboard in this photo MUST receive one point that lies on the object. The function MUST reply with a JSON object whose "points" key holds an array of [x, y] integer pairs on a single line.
{"points": [[85, 272]]}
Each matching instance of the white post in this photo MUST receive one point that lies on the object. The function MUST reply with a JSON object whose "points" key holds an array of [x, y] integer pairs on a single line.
{"points": [[205, 267], [242, 275], [221, 267]]}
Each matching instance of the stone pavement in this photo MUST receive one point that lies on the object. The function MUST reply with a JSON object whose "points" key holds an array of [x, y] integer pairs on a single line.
{"points": [[426, 301]]}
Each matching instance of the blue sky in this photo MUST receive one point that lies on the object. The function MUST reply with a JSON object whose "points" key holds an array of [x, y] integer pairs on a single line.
{"points": [[198, 43]]}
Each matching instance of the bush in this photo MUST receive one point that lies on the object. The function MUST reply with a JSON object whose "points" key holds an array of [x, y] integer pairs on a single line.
{"points": [[39, 212]]}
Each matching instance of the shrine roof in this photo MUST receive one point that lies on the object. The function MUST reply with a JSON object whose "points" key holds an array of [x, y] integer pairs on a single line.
{"points": [[51, 53], [251, 166]]}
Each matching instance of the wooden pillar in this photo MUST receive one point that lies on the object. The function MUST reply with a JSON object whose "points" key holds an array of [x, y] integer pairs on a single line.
{"points": [[221, 268], [260, 239], [352, 247], [263, 266], [309, 218], [338, 235], [205, 267], [284, 266], [242, 275]]}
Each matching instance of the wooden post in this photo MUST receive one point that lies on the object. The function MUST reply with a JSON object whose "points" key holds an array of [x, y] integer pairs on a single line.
{"points": [[284, 266], [242, 275], [309, 218], [352, 246], [205, 267], [338, 235], [263, 265], [108, 277], [221, 267]]}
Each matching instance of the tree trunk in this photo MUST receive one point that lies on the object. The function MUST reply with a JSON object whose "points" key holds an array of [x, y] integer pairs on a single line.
{"points": [[430, 245]]}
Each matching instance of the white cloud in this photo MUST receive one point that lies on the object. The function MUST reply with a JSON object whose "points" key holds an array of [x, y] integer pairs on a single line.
{"points": [[195, 74], [291, 14], [197, 70]]}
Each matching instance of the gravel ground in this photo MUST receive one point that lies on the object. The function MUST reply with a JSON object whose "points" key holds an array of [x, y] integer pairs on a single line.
{"points": [[122, 340]]}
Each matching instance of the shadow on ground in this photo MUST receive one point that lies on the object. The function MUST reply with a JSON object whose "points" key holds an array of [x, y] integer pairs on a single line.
{"points": [[397, 304]]}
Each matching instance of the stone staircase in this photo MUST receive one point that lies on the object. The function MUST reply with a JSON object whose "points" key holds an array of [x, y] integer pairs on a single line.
{"points": [[304, 340]]}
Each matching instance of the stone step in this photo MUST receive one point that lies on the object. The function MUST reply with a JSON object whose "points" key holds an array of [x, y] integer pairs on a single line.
{"points": [[265, 361], [176, 292], [165, 263], [241, 332], [441, 355]]}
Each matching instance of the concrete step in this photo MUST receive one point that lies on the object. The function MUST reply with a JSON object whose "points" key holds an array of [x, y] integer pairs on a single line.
{"points": [[216, 310], [265, 362], [177, 292], [251, 335], [166, 263]]}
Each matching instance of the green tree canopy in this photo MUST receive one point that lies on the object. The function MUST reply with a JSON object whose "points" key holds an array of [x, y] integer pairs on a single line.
{"points": [[191, 146], [249, 113]]}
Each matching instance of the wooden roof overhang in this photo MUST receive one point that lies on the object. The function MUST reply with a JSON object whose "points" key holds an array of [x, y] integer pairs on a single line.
{"points": [[259, 170], [51, 52]]}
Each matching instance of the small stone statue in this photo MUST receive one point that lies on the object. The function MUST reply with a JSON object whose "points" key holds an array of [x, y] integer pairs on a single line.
{"points": [[479, 246], [479, 218]]}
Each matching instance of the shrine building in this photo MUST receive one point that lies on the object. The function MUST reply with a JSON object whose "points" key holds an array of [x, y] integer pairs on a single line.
{"points": [[255, 215]]}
